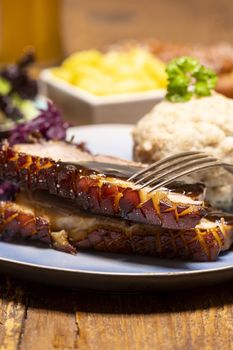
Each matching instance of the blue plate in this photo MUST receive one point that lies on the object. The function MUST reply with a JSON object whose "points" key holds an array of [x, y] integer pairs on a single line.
{"points": [[102, 271]]}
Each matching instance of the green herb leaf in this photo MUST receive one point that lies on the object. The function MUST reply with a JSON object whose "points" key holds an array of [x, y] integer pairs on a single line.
{"points": [[187, 78], [5, 86]]}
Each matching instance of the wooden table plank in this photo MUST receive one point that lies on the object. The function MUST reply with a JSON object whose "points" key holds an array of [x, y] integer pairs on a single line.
{"points": [[50, 319], [13, 304], [197, 319], [37, 317], [96, 24]]}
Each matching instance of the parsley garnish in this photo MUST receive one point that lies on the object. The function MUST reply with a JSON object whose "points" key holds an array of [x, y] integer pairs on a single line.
{"points": [[187, 78]]}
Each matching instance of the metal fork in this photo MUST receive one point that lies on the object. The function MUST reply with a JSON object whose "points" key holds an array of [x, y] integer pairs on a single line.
{"points": [[169, 169]]}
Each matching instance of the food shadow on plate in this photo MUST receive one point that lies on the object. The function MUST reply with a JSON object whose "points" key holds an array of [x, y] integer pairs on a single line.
{"points": [[172, 263], [28, 243], [117, 257]]}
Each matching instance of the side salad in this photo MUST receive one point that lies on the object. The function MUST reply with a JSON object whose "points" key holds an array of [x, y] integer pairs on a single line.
{"points": [[24, 113]]}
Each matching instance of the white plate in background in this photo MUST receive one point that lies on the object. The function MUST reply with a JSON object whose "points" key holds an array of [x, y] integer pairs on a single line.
{"points": [[110, 139]]}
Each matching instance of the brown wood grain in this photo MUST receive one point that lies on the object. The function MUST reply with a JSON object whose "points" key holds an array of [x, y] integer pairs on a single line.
{"points": [[39, 317], [51, 320], [96, 24], [13, 304], [199, 319]]}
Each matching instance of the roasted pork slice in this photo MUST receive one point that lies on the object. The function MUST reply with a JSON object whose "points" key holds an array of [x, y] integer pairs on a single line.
{"points": [[99, 185], [22, 222], [44, 217]]}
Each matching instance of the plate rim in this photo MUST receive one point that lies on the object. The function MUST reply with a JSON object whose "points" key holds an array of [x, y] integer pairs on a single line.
{"points": [[106, 273]]}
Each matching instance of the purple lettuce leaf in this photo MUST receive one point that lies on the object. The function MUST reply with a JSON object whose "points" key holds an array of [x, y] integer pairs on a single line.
{"points": [[17, 75], [8, 191], [49, 125]]}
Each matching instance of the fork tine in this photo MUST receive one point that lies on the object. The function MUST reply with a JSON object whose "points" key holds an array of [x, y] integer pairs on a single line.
{"points": [[174, 164], [162, 161], [186, 172], [180, 167]]}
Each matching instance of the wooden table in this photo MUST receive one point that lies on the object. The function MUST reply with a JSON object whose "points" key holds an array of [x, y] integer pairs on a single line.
{"points": [[35, 317]]}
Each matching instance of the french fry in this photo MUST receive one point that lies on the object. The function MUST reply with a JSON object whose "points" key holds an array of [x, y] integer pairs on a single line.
{"points": [[116, 72]]}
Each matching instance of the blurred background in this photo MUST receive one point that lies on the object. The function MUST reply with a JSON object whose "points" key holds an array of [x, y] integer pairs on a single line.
{"points": [[57, 28], [107, 59]]}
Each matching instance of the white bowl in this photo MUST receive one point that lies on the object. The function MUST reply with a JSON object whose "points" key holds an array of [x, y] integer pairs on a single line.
{"points": [[82, 107]]}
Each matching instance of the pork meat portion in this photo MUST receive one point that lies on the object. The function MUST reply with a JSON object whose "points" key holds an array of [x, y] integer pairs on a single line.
{"points": [[99, 185], [44, 217]]}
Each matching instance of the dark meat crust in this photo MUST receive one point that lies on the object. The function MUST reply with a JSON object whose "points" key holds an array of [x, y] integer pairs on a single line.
{"points": [[115, 236], [97, 193], [15, 222], [218, 57], [196, 245]]}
